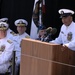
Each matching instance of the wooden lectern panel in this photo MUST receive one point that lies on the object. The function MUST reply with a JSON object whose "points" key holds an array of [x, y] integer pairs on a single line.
{"points": [[41, 58]]}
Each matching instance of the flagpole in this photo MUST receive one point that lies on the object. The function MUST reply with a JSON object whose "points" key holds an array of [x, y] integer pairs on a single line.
{"points": [[37, 18], [40, 12], [43, 6]]}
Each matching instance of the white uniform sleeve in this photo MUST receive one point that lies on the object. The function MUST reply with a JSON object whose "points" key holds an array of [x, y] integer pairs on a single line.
{"points": [[71, 45], [58, 40], [7, 54]]}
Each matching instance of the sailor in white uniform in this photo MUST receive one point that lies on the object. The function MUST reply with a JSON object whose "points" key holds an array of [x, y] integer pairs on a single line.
{"points": [[67, 32], [6, 48], [21, 28], [10, 33]]}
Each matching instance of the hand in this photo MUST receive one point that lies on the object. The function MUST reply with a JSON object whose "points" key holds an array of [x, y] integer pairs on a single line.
{"points": [[64, 47]]}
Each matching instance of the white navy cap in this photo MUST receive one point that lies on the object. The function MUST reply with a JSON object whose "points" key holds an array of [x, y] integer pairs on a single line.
{"points": [[65, 12], [3, 26], [3, 19], [21, 22]]}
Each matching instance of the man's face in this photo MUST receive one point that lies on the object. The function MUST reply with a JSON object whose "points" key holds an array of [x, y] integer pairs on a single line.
{"points": [[41, 32], [2, 33], [67, 20], [21, 29]]}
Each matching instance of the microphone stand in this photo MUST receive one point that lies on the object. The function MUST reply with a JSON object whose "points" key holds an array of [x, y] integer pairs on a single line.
{"points": [[48, 38]]}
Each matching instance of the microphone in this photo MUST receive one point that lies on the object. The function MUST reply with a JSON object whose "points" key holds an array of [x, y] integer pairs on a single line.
{"points": [[53, 31], [48, 29], [48, 34]]}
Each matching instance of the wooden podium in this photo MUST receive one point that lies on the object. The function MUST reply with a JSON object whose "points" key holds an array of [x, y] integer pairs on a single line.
{"points": [[41, 58]]}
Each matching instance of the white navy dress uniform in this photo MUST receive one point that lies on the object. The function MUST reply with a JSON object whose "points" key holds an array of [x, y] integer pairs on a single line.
{"points": [[17, 39], [67, 33], [10, 33], [6, 49]]}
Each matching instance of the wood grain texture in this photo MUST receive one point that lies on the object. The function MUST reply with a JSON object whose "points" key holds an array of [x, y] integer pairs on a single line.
{"points": [[41, 58]]}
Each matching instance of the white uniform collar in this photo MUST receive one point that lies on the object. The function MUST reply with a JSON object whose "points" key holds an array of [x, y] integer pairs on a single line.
{"points": [[71, 23], [3, 39], [22, 34]]}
